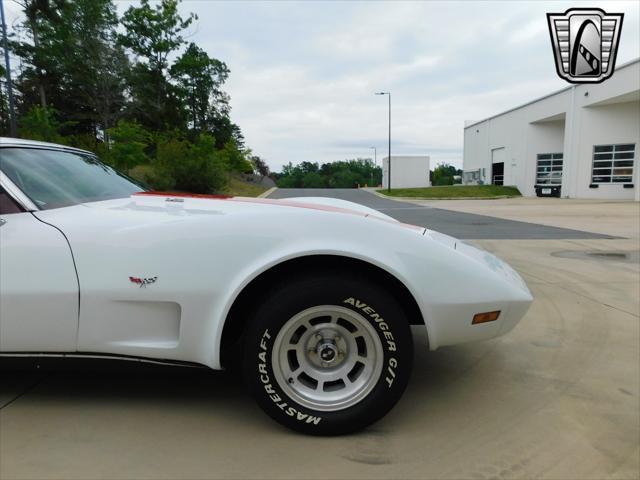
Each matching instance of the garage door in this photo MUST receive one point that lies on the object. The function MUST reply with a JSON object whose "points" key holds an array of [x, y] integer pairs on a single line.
{"points": [[549, 169]]}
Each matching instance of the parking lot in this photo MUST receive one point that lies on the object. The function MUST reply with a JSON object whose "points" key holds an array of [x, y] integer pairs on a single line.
{"points": [[457, 223], [558, 397]]}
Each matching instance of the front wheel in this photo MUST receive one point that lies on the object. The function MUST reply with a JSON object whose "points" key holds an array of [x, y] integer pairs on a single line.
{"points": [[328, 355]]}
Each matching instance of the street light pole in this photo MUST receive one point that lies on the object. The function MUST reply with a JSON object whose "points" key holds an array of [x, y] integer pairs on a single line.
{"points": [[12, 112], [375, 161], [389, 169], [389, 184]]}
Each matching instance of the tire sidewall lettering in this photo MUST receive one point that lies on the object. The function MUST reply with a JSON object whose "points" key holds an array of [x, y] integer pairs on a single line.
{"points": [[386, 336], [264, 373]]}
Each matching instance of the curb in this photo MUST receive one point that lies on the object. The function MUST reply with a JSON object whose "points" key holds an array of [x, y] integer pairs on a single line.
{"points": [[408, 199], [267, 193]]}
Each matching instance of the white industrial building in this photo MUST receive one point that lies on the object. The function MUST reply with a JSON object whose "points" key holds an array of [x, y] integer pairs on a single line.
{"points": [[407, 171], [583, 139]]}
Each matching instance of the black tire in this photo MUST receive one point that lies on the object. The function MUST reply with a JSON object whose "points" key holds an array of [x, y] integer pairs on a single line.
{"points": [[364, 299]]}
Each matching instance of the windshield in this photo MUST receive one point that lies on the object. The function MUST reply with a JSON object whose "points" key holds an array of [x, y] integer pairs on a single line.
{"points": [[54, 178]]}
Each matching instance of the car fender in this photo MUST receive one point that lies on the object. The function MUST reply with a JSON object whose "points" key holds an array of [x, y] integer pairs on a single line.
{"points": [[246, 278]]}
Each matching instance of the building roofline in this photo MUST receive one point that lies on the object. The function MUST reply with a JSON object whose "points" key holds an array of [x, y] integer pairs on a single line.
{"points": [[626, 64]]}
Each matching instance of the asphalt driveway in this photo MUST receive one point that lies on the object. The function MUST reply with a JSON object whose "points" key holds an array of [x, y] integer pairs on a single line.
{"points": [[457, 224]]}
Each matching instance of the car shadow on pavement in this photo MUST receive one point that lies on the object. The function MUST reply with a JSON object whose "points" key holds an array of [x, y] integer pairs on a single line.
{"points": [[126, 386], [175, 422], [113, 379]]}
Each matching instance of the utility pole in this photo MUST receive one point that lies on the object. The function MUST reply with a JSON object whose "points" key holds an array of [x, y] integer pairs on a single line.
{"points": [[12, 111]]}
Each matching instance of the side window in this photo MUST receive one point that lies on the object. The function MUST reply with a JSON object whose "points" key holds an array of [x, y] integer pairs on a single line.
{"points": [[8, 204]]}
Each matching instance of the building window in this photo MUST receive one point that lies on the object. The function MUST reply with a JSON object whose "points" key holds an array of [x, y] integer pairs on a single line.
{"points": [[613, 163], [549, 169]]}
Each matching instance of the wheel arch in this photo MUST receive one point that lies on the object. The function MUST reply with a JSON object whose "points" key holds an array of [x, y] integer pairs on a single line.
{"points": [[244, 303]]}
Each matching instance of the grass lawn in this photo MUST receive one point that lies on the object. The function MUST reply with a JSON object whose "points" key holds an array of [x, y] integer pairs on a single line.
{"points": [[451, 191], [240, 188]]}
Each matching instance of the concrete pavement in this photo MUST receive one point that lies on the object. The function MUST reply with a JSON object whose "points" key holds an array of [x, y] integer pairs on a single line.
{"points": [[618, 218]]}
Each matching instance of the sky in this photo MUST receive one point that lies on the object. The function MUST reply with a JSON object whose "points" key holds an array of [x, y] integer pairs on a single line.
{"points": [[303, 74]]}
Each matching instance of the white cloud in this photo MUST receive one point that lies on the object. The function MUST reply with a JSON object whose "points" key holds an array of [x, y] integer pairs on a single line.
{"points": [[530, 31], [303, 73]]}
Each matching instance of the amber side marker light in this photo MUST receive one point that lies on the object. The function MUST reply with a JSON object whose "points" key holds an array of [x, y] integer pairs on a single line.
{"points": [[485, 317]]}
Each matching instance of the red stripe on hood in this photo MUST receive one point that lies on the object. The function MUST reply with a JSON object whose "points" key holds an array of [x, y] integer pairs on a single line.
{"points": [[264, 201], [153, 193], [278, 202]]}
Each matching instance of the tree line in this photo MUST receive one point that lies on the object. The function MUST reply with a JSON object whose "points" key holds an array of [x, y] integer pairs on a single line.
{"points": [[130, 88], [342, 174], [351, 174]]}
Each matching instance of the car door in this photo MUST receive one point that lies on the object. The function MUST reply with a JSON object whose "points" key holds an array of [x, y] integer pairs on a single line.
{"points": [[39, 293]]}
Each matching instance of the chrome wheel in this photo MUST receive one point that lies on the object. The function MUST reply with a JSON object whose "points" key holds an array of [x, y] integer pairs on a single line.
{"points": [[327, 358]]}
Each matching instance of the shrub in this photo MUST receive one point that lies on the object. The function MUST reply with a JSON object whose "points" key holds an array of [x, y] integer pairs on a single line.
{"points": [[196, 167], [443, 181], [155, 177], [128, 143], [88, 142], [41, 124]]}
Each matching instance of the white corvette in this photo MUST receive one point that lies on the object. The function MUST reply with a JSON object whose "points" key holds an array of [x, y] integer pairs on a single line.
{"points": [[312, 298]]}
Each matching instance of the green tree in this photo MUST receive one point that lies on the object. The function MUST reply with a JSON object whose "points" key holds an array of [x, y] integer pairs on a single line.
{"points": [[90, 79], [40, 15], [313, 180], [199, 82], [235, 159], [152, 34], [222, 128], [71, 63], [342, 174], [41, 124], [260, 167], [291, 176], [37, 47], [344, 178], [97, 67], [128, 143], [443, 174]]}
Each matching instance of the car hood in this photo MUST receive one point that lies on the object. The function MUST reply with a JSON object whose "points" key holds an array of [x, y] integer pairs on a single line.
{"points": [[194, 205]]}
